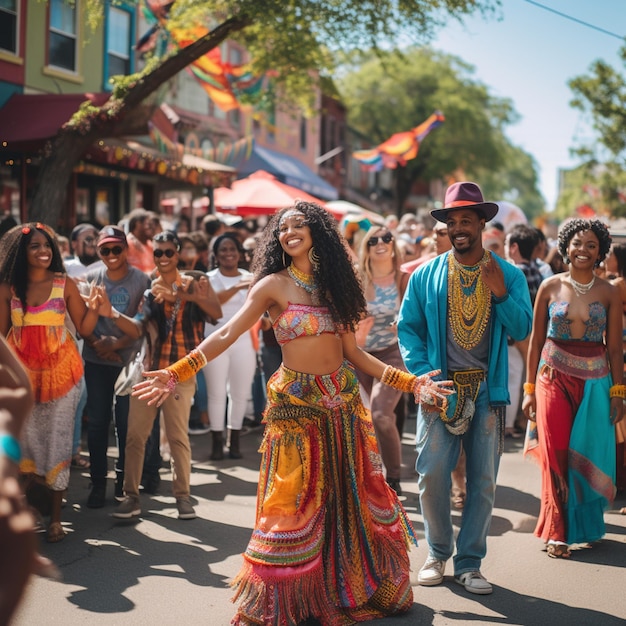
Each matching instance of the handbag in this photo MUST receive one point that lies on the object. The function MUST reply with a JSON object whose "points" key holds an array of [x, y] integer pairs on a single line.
{"points": [[131, 372]]}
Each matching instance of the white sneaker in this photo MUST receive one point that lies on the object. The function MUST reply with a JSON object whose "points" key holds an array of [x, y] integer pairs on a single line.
{"points": [[474, 582], [431, 573]]}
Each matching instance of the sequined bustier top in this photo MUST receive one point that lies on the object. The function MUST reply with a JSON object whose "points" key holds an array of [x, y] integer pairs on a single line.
{"points": [[302, 320], [559, 325]]}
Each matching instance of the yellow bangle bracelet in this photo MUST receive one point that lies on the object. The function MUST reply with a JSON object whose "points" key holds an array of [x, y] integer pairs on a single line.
{"points": [[188, 366], [617, 391], [398, 379], [529, 388]]}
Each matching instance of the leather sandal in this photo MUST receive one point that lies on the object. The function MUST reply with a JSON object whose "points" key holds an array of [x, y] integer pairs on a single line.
{"points": [[558, 551], [55, 533]]}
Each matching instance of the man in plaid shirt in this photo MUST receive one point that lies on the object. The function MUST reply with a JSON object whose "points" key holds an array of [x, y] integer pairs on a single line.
{"points": [[178, 306]]}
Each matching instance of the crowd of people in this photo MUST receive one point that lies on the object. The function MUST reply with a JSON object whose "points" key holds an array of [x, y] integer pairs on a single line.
{"points": [[488, 333]]}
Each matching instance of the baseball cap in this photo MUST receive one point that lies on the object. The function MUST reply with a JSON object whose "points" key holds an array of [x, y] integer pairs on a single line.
{"points": [[112, 234]]}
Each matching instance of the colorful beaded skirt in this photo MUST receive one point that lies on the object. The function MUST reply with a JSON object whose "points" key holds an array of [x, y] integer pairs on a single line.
{"points": [[331, 538]]}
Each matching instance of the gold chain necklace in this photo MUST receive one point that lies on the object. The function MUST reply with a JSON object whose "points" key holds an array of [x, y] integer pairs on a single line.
{"points": [[469, 302], [306, 281]]}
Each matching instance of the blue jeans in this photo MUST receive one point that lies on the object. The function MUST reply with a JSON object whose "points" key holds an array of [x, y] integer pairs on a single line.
{"points": [[100, 381], [438, 452]]}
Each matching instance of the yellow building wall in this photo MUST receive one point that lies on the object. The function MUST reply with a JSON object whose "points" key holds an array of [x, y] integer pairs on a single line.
{"points": [[41, 78]]}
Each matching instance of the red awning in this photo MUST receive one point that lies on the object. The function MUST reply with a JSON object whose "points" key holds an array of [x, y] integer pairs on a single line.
{"points": [[29, 119], [259, 194]]}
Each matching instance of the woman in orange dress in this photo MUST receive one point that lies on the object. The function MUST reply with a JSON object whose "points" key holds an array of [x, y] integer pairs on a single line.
{"points": [[34, 299]]}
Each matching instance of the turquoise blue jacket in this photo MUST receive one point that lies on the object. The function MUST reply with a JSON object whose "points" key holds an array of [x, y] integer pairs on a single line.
{"points": [[423, 323]]}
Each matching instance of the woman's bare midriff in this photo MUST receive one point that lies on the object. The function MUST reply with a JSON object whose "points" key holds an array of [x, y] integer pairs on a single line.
{"points": [[319, 355]]}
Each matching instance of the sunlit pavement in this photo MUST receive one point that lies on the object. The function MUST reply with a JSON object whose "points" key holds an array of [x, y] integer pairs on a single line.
{"points": [[162, 571]]}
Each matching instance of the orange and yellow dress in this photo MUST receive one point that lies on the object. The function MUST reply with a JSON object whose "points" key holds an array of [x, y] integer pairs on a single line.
{"points": [[331, 539], [50, 355]]}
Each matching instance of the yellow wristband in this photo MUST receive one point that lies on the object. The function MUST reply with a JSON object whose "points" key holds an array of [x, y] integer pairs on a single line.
{"points": [[398, 379], [617, 391], [529, 389], [188, 366]]}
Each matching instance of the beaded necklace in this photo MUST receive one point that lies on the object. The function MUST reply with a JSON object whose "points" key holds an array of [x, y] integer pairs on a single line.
{"points": [[582, 288], [306, 281], [469, 302]]}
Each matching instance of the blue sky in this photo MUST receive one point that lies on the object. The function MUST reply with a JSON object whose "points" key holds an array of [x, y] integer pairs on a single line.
{"points": [[528, 56]]}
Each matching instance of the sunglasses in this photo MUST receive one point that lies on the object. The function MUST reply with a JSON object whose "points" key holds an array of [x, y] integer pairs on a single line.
{"points": [[89, 239], [169, 253], [115, 250], [386, 238]]}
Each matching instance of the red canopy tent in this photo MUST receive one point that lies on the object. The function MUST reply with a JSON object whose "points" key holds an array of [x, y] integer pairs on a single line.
{"points": [[260, 194]]}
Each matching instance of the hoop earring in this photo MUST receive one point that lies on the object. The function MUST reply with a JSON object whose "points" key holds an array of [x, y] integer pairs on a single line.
{"points": [[313, 257], [566, 260], [284, 259]]}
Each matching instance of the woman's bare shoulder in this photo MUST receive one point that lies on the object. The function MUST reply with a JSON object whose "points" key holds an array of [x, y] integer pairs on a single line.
{"points": [[273, 286], [552, 284]]}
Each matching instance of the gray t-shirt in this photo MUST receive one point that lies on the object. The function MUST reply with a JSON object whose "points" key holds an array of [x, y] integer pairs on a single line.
{"points": [[461, 359], [125, 296]]}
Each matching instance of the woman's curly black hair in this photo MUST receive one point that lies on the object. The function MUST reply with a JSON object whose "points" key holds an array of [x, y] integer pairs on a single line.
{"points": [[577, 225], [13, 259], [334, 273]]}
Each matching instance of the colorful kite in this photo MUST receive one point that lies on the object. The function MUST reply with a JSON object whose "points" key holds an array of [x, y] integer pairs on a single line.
{"points": [[399, 148]]}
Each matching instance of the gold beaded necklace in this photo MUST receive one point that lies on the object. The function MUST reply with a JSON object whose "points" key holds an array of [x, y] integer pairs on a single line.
{"points": [[306, 281], [469, 302]]}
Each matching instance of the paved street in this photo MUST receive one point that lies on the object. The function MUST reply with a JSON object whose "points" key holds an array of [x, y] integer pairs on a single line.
{"points": [[161, 571]]}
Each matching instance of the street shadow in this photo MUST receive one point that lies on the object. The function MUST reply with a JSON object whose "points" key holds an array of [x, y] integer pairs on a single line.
{"points": [[106, 563], [512, 607], [102, 558]]}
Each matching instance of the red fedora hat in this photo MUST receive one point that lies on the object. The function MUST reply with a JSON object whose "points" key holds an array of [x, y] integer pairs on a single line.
{"points": [[465, 195]]}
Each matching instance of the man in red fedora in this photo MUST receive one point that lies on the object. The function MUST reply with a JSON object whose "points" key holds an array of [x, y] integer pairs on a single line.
{"points": [[457, 313]]}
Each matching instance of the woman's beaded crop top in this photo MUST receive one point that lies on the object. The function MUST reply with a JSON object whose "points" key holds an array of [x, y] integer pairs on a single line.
{"points": [[303, 320], [559, 325]]}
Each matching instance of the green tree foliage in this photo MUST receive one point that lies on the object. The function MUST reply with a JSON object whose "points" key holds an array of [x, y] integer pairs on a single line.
{"points": [[601, 94], [294, 39], [393, 91], [514, 180]]}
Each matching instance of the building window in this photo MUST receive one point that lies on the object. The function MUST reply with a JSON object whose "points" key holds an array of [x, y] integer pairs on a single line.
{"points": [[119, 41], [62, 37], [8, 25], [302, 133]]}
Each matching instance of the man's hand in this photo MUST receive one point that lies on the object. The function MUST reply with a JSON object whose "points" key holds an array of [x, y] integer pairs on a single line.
{"points": [[493, 277], [106, 347]]}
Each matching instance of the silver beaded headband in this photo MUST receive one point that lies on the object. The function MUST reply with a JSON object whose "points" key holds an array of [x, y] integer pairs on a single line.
{"points": [[291, 213]]}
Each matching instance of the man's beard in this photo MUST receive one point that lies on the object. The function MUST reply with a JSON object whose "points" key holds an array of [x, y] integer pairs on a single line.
{"points": [[88, 259]]}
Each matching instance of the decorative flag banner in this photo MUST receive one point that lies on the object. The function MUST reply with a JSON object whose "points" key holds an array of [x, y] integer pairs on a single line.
{"points": [[223, 82], [399, 148]]}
